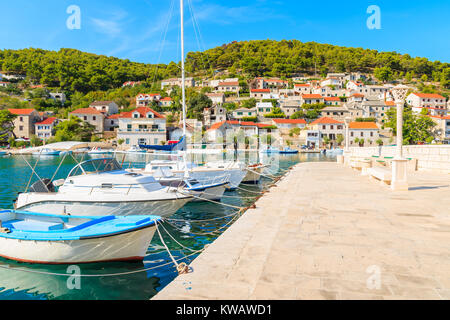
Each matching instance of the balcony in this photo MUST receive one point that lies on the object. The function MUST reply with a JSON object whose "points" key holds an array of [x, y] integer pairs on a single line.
{"points": [[143, 131]]}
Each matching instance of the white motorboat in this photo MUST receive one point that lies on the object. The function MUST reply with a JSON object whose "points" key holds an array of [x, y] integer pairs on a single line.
{"points": [[201, 190], [234, 170], [46, 152], [98, 150], [61, 239], [136, 149], [99, 187]]}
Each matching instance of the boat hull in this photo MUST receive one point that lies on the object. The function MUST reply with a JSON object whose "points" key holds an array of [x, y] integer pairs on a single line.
{"points": [[58, 205], [213, 193], [130, 246]]}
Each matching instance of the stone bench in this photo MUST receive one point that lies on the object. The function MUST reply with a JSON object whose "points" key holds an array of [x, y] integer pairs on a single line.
{"points": [[387, 162], [380, 174], [361, 164]]}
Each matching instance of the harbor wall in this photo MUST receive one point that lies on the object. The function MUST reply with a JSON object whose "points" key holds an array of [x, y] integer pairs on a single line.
{"points": [[429, 157]]}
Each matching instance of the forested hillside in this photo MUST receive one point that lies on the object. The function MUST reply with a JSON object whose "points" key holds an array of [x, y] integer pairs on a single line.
{"points": [[284, 58], [73, 70]]}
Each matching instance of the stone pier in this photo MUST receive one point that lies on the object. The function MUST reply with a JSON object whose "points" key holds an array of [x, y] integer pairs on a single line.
{"points": [[326, 232]]}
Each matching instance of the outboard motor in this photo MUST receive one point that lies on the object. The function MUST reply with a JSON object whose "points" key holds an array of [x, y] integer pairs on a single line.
{"points": [[42, 186]]}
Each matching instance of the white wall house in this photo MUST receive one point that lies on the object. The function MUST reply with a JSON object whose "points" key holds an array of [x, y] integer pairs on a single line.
{"points": [[434, 103], [244, 113], [142, 126], [107, 107], [368, 131]]}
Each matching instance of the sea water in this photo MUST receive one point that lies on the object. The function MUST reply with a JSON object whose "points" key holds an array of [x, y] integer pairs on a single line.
{"points": [[121, 280]]}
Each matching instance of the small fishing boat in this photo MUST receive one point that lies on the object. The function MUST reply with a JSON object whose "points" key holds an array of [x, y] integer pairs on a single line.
{"points": [[270, 149], [62, 239], [136, 149], [288, 151], [3, 153], [46, 152], [98, 150]]}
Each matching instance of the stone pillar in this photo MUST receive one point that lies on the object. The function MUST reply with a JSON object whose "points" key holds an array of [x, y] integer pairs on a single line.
{"points": [[399, 164], [347, 153]]}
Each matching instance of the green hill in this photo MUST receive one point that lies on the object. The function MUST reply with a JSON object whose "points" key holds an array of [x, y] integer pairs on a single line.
{"points": [[73, 70]]}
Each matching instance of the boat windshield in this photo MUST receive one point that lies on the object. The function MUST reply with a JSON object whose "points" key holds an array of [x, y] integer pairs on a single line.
{"points": [[95, 166]]}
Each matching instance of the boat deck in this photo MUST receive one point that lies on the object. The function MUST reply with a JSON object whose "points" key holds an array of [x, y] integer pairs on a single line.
{"points": [[326, 232]]}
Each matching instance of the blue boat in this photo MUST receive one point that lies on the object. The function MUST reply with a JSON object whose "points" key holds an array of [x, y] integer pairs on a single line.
{"points": [[179, 146], [63, 239], [276, 150], [288, 151]]}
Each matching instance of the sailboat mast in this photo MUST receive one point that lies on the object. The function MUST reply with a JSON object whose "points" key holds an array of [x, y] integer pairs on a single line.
{"points": [[183, 85]]}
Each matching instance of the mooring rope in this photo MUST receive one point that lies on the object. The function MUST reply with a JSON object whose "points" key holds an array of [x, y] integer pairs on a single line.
{"points": [[246, 190], [181, 245], [208, 233], [261, 174], [182, 267], [212, 201]]}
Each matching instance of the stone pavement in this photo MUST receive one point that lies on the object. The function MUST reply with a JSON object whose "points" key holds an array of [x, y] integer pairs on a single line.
{"points": [[326, 232]]}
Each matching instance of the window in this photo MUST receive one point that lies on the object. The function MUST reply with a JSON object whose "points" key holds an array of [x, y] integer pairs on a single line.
{"points": [[21, 118], [136, 115], [84, 118], [128, 127], [362, 134], [127, 141], [331, 127], [324, 127], [20, 128], [371, 134], [94, 118]]}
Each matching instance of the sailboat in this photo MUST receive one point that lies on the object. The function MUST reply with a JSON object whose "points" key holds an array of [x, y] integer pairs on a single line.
{"points": [[180, 168]]}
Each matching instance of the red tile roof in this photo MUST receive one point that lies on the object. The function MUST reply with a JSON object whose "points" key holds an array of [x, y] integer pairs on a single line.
{"points": [[21, 112], [142, 111], [230, 83], [326, 120], [290, 121], [332, 99], [47, 121], [429, 95], [113, 116], [302, 85], [166, 99], [312, 96], [86, 111], [216, 125], [260, 90], [363, 125], [389, 103]]}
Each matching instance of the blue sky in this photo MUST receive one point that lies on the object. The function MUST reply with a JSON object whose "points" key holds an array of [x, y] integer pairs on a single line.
{"points": [[135, 29]]}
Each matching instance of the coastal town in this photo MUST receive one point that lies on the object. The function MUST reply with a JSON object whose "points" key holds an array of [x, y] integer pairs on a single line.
{"points": [[302, 112]]}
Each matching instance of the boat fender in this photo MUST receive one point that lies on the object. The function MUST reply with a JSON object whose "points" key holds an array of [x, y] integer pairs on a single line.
{"points": [[182, 268]]}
